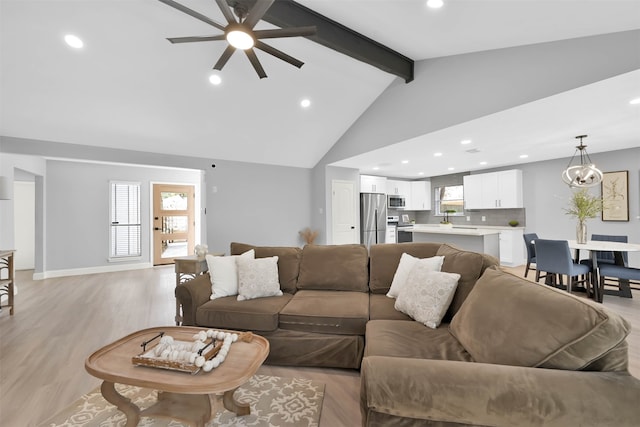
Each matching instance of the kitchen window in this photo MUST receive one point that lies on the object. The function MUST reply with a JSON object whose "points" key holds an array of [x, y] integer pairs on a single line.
{"points": [[125, 221], [449, 198]]}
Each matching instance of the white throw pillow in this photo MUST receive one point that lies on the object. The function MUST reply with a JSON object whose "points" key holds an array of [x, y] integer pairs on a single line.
{"points": [[407, 262], [224, 274], [427, 295], [258, 278]]}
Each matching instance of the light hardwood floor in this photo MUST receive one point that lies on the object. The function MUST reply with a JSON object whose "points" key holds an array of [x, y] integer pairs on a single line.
{"points": [[59, 322]]}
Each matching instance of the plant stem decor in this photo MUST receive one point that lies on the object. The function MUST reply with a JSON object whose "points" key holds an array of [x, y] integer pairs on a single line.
{"points": [[446, 216], [583, 206]]}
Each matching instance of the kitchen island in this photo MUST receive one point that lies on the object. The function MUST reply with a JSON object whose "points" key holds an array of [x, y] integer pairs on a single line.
{"points": [[481, 240]]}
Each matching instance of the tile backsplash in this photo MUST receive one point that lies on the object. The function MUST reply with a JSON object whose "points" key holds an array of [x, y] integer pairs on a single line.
{"points": [[494, 217]]}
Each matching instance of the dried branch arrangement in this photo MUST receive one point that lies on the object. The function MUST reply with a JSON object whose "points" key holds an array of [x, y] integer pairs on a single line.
{"points": [[308, 235]]}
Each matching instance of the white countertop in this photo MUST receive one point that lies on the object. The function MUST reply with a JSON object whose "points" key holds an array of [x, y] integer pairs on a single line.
{"points": [[484, 227], [436, 229]]}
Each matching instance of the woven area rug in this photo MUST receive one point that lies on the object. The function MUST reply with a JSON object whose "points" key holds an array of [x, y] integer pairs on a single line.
{"points": [[274, 402]]}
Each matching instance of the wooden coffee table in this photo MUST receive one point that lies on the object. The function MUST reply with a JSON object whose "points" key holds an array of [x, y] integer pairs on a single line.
{"points": [[182, 396]]}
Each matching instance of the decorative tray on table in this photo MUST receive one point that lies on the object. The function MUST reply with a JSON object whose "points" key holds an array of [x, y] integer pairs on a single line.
{"points": [[167, 353], [207, 351]]}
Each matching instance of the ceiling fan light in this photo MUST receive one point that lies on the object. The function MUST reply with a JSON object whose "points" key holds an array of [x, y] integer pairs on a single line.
{"points": [[240, 40]]}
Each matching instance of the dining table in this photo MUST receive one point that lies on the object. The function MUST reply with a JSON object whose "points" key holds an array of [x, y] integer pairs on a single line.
{"points": [[595, 246]]}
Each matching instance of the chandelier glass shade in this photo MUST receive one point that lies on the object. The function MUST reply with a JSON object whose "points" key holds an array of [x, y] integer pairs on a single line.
{"points": [[584, 174]]}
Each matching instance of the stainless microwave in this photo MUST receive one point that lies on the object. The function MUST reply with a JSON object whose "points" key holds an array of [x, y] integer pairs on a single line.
{"points": [[395, 202]]}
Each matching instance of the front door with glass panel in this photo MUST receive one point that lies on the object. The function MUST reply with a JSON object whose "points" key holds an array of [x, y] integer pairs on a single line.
{"points": [[173, 222]]}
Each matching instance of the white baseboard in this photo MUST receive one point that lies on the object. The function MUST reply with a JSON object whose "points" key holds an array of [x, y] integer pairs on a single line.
{"points": [[90, 270]]}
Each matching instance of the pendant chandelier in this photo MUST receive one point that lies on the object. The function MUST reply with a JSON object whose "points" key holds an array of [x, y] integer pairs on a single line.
{"points": [[584, 174]]}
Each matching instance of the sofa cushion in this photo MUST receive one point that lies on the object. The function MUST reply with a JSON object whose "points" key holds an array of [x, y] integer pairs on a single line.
{"points": [[384, 260], [427, 295], [512, 321], [252, 315], [258, 278], [288, 261], [331, 312], [469, 265], [223, 271], [334, 268], [399, 338], [407, 263], [381, 307]]}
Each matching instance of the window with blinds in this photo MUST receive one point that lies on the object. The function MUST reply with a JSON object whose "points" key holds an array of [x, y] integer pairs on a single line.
{"points": [[125, 220]]}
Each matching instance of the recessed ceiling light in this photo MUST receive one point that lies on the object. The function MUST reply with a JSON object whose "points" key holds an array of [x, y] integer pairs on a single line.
{"points": [[435, 4], [73, 41], [375, 168], [305, 103], [215, 79], [420, 173], [524, 156], [635, 101], [483, 163], [404, 162], [465, 141], [437, 154], [450, 169]]}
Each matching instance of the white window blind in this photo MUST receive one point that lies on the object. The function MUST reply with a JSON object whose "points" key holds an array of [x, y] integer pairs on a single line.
{"points": [[125, 220]]}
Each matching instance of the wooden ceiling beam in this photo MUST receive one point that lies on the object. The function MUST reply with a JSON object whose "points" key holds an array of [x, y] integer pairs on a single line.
{"points": [[287, 13]]}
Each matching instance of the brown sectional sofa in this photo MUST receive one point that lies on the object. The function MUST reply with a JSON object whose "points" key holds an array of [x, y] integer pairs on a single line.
{"points": [[508, 352]]}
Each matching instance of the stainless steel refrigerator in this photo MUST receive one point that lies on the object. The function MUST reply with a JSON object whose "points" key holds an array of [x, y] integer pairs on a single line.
{"points": [[373, 218]]}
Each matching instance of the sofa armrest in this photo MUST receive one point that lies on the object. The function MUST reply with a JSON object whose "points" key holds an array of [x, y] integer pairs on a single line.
{"points": [[493, 395], [191, 295]]}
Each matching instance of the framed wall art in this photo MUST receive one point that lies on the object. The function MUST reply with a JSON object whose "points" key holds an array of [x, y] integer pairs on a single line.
{"points": [[615, 195]]}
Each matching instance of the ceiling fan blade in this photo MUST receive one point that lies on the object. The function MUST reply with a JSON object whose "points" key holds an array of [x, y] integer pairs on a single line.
{"points": [[251, 54], [278, 54], [285, 32], [195, 39], [257, 12], [224, 57], [193, 13], [226, 11]]}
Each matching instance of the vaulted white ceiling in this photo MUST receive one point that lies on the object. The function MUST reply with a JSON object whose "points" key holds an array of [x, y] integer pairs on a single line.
{"points": [[130, 88]]}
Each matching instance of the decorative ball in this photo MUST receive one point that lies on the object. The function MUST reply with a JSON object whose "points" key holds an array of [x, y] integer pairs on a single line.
{"points": [[208, 366], [199, 361], [215, 362]]}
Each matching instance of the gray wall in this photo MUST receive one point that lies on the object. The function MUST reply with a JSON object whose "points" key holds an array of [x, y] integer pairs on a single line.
{"points": [[455, 89], [546, 195], [254, 203], [77, 207]]}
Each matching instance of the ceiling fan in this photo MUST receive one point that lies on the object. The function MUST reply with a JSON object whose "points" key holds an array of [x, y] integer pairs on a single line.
{"points": [[239, 33]]}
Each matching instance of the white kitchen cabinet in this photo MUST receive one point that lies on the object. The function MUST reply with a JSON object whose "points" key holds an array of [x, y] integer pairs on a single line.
{"points": [[512, 250], [373, 184], [472, 191], [420, 196], [399, 188], [494, 190]]}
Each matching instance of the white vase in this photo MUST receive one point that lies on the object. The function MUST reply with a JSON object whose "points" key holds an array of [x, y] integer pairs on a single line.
{"points": [[581, 232]]}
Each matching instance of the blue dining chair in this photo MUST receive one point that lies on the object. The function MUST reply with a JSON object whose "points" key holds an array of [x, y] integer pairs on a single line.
{"points": [[554, 258], [607, 257], [531, 251], [617, 273]]}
